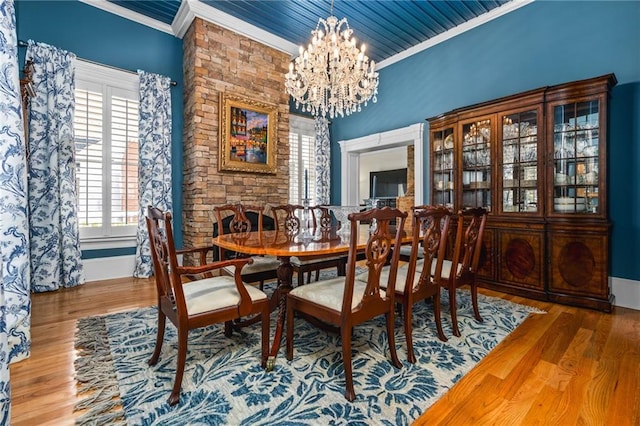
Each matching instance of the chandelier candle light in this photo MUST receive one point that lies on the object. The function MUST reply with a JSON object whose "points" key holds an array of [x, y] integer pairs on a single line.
{"points": [[332, 76]]}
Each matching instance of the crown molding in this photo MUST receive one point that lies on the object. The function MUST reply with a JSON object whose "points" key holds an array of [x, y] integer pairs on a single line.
{"points": [[190, 9], [475, 22], [129, 14], [183, 19]]}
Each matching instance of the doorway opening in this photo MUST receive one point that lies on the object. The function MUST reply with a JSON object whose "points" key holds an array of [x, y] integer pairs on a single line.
{"points": [[352, 149]]}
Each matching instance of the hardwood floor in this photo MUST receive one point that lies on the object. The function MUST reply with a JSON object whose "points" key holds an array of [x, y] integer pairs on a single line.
{"points": [[568, 366]]}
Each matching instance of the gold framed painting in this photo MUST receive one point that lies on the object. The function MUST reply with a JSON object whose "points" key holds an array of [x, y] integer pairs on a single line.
{"points": [[248, 135]]}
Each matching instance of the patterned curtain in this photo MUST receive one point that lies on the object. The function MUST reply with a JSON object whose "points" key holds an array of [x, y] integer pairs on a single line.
{"points": [[323, 161], [15, 306], [154, 171], [53, 221]]}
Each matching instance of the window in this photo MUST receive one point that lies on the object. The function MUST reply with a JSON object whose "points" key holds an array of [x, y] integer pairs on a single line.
{"points": [[302, 139], [106, 140]]}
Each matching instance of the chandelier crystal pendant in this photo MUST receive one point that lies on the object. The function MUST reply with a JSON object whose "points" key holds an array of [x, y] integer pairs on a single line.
{"points": [[332, 76]]}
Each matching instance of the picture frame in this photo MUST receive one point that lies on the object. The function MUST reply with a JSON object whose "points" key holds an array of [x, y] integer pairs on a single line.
{"points": [[248, 135]]}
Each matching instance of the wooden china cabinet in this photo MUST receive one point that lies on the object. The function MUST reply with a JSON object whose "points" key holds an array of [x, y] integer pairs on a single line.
{"points": [[537, 162]]}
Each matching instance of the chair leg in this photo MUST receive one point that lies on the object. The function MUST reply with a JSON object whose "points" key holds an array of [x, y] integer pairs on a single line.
{"points": [[452, 308], [474, 301], [228, 328], [349, 393], [342, 268], [406, 313], [261, 285], [162, 320], [317, 274], [392, 338], [289, 330], [265, 335], [183, 334], [437, 315]]}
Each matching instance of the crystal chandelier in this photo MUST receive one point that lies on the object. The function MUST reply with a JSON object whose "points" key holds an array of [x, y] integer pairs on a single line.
{"points": [[332, 76]]}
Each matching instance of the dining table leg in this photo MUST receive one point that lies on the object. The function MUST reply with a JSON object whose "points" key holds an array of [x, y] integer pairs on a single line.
{"points": [[279, 301]]}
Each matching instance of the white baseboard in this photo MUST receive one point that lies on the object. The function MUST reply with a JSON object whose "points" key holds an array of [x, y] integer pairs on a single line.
{"points": [[106, 268], [627, 292]]}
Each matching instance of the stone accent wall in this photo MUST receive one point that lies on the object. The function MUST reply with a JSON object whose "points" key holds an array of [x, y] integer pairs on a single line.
{"points": [[218, 60], [406, 202]]}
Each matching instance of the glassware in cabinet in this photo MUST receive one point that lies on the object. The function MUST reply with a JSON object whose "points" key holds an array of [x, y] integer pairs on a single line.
{"points": [[576, 152], [443, 182], [476, 164], [519, 160]]}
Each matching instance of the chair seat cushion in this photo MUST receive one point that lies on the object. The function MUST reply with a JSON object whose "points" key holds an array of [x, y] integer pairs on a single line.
{"points": [[329, 293], [297, 261], [260, 264], [215, 293], [401, 277], [446, 269]]}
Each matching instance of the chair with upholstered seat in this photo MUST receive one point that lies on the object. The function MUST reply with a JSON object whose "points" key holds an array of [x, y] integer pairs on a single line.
{"points": [[238, 219], [463, 267], [428, 247], [345, 302], [288, 218], [198, 303], [415, 282]]}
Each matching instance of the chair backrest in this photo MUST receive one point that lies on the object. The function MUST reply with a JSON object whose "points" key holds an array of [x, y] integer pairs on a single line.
{"points": [[323, 217], [163, 252], [380, 247], [288, 217], [468, 243], [430, 230], [238, 219]]}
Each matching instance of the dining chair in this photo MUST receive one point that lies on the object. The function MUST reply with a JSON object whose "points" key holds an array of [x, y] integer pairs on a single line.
{"points": [[345, 302], [430, 225], [243, 218], [415, 282], [462, 269], [200, 302], [289, 218]]}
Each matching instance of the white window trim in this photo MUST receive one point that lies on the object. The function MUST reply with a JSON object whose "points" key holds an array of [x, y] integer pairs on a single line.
{"points": [[302, 125], [121, 80], [111, 76]]}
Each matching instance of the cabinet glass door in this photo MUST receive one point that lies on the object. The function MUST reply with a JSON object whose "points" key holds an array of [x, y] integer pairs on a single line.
{"points": [[520, 162], [576, 157], [443, 167], [476, 164]]}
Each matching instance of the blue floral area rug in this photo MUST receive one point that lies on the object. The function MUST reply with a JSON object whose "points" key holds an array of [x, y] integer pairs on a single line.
{"points": [[224, 384]]}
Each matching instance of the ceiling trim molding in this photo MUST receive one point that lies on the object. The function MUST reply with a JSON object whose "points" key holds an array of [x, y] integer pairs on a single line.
{"points": [[183, 19], [129, 14], [201, 10], [475, 22], [190, 9]]}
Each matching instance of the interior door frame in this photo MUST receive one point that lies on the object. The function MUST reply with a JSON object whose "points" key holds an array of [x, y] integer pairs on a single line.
{"points": [[351, 149]]}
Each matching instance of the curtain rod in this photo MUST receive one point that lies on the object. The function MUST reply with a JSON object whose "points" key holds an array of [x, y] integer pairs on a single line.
{"points": [[22, 43]]}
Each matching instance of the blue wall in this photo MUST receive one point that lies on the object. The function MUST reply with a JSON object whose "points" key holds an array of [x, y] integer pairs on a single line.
{"points": [[105, 38], [541, 44]]}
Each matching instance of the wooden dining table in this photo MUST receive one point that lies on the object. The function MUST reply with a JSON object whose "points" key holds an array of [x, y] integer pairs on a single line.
{"points": [[284, 245]]}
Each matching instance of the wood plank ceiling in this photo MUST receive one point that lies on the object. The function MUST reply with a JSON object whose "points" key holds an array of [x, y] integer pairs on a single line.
{"points": [[387, 27]]}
